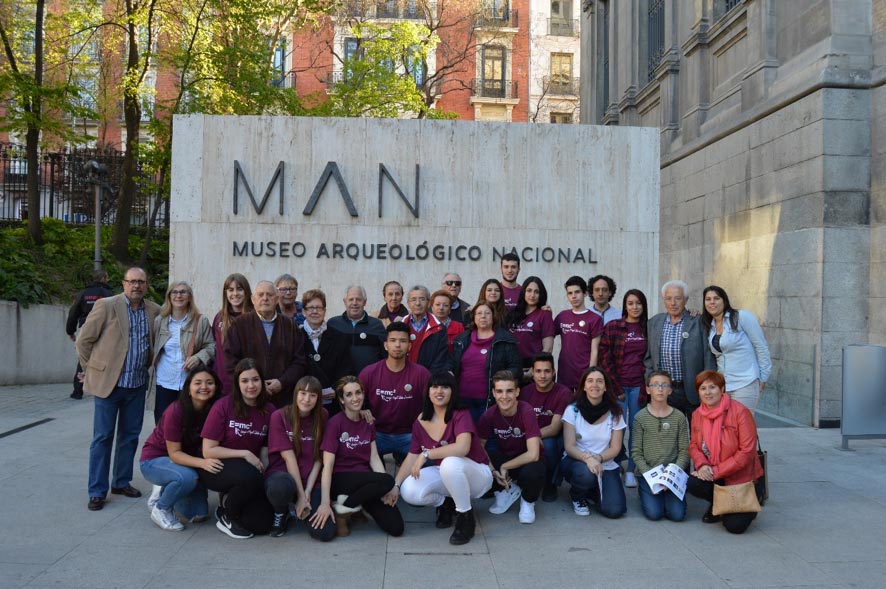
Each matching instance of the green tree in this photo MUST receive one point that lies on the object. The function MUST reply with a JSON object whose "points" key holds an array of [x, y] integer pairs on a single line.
{"points": [[36, 78]]}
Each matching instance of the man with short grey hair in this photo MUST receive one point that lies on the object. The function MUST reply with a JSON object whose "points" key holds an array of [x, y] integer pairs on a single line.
{"points": [[678, 345], [459, 310], [429, 342], [366, 334], [272, 340]]}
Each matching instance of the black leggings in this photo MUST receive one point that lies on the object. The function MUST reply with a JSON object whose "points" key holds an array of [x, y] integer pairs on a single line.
{"points": [[529, 477], [735, 523], [366, 490], [280, 488], [244, 490]]}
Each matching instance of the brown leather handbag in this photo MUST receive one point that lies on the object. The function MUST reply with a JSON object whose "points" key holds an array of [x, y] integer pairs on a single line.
{"points": [[741, 498]]}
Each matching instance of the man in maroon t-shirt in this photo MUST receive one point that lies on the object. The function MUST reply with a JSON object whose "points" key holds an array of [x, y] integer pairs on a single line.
{"points": [[549, 400], [510, 288], [580, 331], [394, 393]]}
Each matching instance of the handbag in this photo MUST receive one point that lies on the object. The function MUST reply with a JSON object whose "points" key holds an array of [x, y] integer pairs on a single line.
{"points": [[741, 498], [762, 483]]}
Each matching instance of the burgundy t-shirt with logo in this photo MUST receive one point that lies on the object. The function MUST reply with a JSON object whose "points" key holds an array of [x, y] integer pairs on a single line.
{"points": [[546, 405], [460, 423], [631, 371], [350, 441], [280, 440], [249, 433], [169, 430], [511, 296], [472, 380], [395, 398], [531, 332], [576, 330], [511, 432]]}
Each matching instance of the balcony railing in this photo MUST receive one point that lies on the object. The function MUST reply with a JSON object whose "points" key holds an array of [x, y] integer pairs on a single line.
{"points": [[388, 9], [560, 86], [563, 27], [498, 18], [286, 80], [493, 89]]}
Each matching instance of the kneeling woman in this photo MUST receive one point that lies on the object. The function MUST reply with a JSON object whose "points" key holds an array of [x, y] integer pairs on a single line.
{"points": [[445, 434], [236, 432], [593, 432], [353, 473], [172, 456], [294, 458], [723, 447]]}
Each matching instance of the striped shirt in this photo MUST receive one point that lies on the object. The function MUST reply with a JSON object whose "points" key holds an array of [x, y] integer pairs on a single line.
{"points": [[671, 355], [660, 440], [135, 367]]}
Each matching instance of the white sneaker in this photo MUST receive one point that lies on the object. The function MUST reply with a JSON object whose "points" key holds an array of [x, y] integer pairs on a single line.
{"points": [[630, 480], [340, 508], [166, 520], [527, 512], [155, 497], [504, 499], [581, 508]]}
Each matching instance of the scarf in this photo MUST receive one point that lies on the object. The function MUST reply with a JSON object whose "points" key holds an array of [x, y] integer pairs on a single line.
{"points": [[591, 413], [315, 334], [712, 425]]}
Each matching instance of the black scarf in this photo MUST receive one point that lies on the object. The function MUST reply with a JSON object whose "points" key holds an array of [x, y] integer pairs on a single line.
{"points": [[591, 413]]}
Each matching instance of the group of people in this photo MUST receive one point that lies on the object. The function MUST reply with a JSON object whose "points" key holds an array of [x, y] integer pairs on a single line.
{"points": [[288, 415]]}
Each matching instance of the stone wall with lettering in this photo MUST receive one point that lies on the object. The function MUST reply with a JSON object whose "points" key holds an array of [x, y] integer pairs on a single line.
{"points": [[342, 201]]}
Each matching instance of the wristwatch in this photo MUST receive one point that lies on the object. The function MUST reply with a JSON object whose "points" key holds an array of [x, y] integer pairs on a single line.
{"points": [[425, 454]]}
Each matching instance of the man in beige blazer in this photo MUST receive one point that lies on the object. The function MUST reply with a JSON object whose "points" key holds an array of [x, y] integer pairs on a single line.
{"points": [[114, 348]]}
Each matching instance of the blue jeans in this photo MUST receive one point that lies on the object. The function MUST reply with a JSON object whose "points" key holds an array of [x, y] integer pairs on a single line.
{"points": [[181, 487], [665, 504], [584, 486], [124, 411], [630, 407], [477, 407], [553, 451], [396, 444]]}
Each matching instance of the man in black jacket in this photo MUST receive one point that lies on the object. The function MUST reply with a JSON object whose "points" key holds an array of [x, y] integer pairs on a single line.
{"points": [[95, 290]]}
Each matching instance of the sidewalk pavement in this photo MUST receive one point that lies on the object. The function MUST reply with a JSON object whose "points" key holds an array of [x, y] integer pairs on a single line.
{"points": [[824, 525]]}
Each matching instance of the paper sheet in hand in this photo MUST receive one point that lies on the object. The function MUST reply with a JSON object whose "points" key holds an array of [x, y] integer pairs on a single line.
{"points": [[670, 477]]}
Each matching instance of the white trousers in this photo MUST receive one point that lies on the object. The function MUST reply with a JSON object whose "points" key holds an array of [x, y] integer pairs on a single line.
{"points": [[457, 477], [747, 395]]}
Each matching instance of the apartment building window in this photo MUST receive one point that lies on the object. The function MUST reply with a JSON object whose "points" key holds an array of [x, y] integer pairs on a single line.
{"points": [[563, 118], [655, 41], [415, 66], [561, 18], [352, 49], [561, 73], [724, 7], [494, 62]]}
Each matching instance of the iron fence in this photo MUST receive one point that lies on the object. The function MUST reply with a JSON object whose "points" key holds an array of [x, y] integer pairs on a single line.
{"points": [[493, 89], [66, 193]]}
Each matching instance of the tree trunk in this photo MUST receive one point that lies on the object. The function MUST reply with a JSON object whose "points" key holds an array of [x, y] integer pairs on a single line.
{"points": [[132, 115], [152, 223], [32, 136]]}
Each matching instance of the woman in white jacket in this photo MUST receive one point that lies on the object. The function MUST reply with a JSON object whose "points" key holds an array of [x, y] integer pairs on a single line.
{"points": [[739, 345]]}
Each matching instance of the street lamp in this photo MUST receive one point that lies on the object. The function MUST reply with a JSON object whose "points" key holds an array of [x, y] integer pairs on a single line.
{"points": [[95, 174]]}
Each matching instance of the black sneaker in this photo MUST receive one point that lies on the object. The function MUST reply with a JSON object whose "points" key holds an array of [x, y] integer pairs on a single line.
{"points": [[232, 528], [77, 395], [549, 493], [446, 513], [278, 528]]}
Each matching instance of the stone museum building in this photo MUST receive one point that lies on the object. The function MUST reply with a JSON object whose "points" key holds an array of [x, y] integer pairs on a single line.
{"points": [[772, 116]]}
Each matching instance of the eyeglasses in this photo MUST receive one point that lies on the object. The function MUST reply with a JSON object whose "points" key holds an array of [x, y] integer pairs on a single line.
{"points": [[178, 293], [288, 289], [660, 385], [136, 282], [313, 308], [452, 282]]}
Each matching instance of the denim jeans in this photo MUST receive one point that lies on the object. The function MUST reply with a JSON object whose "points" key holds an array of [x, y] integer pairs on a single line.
{"points": [[665, 504], [553, 452], [477, 407], [181, 487], [124, 411], [630, 407], [396, 444], [584, 486]]}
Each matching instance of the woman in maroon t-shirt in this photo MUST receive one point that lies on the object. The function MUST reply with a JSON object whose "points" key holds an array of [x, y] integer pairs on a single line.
{"points": [[172, 457], [622, 350], [236, 300], [236, 432], [531, 323], [353, 473], [491, 293], [446, 435], [294, 458]]}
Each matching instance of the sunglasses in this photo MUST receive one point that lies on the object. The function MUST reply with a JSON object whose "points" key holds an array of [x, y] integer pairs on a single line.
{"points": [[452, 283]]}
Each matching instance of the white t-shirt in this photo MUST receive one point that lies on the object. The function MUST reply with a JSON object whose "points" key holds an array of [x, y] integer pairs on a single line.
{"points": [[594, 438]]}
